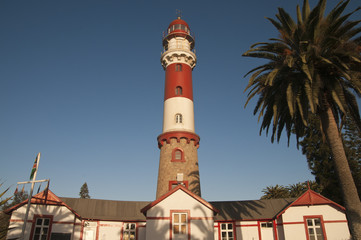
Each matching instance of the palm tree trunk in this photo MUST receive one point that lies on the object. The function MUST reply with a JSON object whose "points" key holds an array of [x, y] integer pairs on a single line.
{"points": [[347, 184]]}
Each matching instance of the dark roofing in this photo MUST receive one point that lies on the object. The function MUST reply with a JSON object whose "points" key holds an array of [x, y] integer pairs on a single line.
{"points": [[250, 210], [98, 209]]}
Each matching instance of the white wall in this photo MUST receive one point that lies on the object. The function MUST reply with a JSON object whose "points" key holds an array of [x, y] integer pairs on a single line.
{"points": [[63, 220], [181, 105], [201, 217], [109, 230], [334, 222], [247, 231]]}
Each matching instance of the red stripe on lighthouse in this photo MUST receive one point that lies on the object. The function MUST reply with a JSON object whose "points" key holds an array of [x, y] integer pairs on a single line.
{"points": [[178, 76]]}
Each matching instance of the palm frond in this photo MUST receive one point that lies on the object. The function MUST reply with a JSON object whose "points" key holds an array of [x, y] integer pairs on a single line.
{"points": [[316, 58], [337, 11], [306, 10]]}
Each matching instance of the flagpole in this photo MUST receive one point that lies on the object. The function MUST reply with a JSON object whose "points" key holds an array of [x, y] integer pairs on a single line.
{"points": [[30, 196]]}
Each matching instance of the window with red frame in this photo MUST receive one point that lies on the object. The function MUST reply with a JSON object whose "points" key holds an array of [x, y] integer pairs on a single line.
{"points": [[129, 231], [174, 184], [42, 228], [177, 155], [314, 229], [180, 225], [227, 231]]}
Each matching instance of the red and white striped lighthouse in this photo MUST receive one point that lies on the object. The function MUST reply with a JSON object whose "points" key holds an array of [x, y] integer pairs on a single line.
{"points": [[178, 143]]}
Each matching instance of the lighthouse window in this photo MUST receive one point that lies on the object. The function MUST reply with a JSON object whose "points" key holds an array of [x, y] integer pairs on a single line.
{"points": [[178, 90], [178, 155], [178, 118], [178, 67]]}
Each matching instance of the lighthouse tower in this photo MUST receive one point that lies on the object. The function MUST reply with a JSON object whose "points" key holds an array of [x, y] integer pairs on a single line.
{"points": [[178, 142]]}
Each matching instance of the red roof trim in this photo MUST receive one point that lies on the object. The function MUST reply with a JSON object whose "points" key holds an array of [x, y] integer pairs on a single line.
{"points": [[179, 187], [311, 198]]}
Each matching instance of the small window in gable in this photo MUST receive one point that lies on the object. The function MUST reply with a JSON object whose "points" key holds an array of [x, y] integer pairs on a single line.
{"points": [[178, 90], [178, 118], [178, 67]]}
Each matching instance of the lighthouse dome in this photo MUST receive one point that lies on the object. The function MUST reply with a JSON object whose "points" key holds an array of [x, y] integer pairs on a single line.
{"points": [[178, 25]]}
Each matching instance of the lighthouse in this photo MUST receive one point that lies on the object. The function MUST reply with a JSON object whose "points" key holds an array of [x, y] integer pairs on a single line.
{"points": [[178, 143]]}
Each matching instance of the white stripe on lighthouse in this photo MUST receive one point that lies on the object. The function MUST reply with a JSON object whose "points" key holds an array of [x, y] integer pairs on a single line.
{"points": [[174, 106]]}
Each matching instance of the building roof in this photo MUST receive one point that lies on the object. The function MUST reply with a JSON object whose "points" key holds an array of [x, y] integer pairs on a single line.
{"points": [[110, 210], [250, 210], [45, 197], [98, 209]]}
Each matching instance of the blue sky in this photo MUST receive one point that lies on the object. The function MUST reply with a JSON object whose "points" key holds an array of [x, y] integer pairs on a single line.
{"points": [[81, 82]]}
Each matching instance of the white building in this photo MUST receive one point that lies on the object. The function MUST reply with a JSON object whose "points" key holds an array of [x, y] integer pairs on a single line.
{"points": [[180, 214]]}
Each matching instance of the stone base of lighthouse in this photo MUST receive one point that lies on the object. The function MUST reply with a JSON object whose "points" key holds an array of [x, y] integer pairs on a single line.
{"points": [[178, 162]]}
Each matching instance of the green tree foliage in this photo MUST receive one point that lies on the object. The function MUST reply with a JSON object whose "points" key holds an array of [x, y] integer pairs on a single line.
{"points": [[84, 191], [16, 199], [352, 143], [290, 191], [320, 161], [314, 67]]}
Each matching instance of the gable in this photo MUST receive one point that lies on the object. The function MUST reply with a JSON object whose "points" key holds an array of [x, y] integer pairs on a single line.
{"points": [[45, 197], [311, 198], [178, 198]]}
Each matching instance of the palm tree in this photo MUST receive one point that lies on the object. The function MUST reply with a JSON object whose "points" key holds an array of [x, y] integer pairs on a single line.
{"points": [[313, 67], [297, 189], [277, 191]]}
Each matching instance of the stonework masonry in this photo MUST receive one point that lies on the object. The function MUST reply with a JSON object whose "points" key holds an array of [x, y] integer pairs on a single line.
{"points": [[168, 168]]}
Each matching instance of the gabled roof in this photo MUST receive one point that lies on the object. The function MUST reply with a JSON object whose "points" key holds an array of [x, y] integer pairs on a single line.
{"points": [[45, 197], [310, 198], [178, 188], [265, 209]]}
